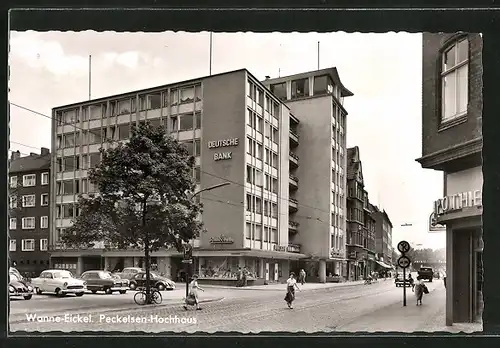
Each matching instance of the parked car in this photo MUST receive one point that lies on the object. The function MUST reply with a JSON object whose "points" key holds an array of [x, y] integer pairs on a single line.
{"points": [[129, 272], [398, 281], [19, 287], [426, 273], [157, 281], [60, 282], [104, 281]]}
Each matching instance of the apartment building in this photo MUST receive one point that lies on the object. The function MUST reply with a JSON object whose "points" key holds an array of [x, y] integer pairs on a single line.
{"points": [[452, 143], [238, 131], [360, 223], [316, 100], [29, 189], [383, 238]]}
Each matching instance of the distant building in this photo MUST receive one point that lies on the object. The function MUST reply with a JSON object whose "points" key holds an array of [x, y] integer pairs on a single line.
{"points": [[383, 238], [360, 223], [29, 212], [452, 142]]}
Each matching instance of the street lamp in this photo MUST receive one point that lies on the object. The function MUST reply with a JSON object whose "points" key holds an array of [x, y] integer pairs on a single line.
{"points": [[188, 248]]}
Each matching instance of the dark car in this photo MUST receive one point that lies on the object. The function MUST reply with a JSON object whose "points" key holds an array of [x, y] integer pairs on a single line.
{"points": [[156, 281], [18, 287], [104, 281], [426, 273], [129, 272]]}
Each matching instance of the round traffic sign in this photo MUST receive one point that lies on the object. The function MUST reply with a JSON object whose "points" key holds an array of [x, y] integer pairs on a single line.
{"points": [[404, 262], [403, 246]]}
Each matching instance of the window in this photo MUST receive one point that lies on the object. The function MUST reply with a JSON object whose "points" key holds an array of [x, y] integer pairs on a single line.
{"points": [[197, 119], [279, 90], [95, 112], [197, 148], [187, 95], [28, 201], [95, 158], [68, 187], [274, 235], [28, 223], [123, 107], [248, 231], [123, 131], [252, 91], [44, 222], [197, 174], [454, 77], [68, 211], [174, 97], [13, 245], [12, 223], [94, 136], [185, 122], [43, 244], [13, 181], [69, 116], [29, 180], [13, 202], [189, 146], [28, 245], [154, 101], [45, 178], [45, 199], [249, 203], [260, 97], [322, 85], [197, 93], [300, 88]]}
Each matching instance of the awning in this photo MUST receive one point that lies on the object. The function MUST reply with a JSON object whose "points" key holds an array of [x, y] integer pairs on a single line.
{"points": [[384, 265]]}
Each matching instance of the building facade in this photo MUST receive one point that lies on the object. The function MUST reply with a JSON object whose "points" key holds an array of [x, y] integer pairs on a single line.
{"points": [[452, 143], [316, 100], [360, 224], [29, 211], [383, 239]]}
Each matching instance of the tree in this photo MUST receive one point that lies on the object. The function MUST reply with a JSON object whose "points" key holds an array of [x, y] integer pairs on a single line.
{"points": [[144, 197]]}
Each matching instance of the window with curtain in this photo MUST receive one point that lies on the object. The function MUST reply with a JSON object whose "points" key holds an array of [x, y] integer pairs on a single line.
{"points": [[455, 81]]}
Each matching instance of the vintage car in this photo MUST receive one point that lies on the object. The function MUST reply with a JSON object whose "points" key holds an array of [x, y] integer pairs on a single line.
{"points": [[19, 287], [104, 281], [156, 281], [398, 281], [60, 282], [426, 273], [129, 272]]}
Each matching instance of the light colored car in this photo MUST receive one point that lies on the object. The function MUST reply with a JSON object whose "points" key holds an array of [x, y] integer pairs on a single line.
{"points": [[60, 282], [18, 287]]}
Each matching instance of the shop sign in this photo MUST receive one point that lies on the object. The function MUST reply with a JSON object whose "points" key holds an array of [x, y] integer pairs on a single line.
{"points": [[458, 201], [434, 226], [221, 240], [287, 248], [223, 143], [335, 253]]}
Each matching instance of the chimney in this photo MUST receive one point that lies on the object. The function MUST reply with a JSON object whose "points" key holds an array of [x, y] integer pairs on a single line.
{"points": [[15, 155], [45, 151], [268, 77], [33, 154]]}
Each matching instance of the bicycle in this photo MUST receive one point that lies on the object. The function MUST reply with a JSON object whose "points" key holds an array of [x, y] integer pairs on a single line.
{"points": [[140, 296]]}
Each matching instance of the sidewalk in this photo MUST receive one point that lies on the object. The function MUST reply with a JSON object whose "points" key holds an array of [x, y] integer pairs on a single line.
{"points": [[281, 287], [429, 317]]}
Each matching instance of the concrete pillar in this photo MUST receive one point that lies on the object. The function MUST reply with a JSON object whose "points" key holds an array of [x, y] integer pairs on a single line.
{"points": [[322, 271], [261, 268], [449, 276], [201, 262], [106, 263], [79, 266], [241, 262], [285, 270]]}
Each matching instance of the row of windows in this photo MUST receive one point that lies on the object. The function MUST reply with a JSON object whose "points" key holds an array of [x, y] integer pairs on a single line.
{"points": [[259, 233], [179, 123], [355, 214], [257, 123], [254, 205], [255, 177], [256, 149], [29, 201], [300, 87], [28, 245], [336, 242], [29, 223], [125, 106], [337, 221], [29, 180], [257, 94]]}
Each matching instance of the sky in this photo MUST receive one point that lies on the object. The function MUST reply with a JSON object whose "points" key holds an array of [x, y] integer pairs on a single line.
{"points": [[384, 71]]}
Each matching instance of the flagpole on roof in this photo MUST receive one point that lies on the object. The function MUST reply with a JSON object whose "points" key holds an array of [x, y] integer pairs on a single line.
{"points": [[90, 76], [210, 63]]}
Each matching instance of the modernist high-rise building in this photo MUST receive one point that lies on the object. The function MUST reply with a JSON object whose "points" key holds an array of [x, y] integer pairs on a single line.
{"points": [[316, 99], [452, 141], [239, 132]]}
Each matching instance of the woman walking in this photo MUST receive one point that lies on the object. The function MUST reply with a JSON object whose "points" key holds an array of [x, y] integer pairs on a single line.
{"points": [[302, 276], [291, 284], [193, 294], [420, 290]]}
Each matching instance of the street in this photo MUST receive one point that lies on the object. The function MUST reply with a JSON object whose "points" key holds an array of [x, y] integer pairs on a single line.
{"points": [[350, 307]]}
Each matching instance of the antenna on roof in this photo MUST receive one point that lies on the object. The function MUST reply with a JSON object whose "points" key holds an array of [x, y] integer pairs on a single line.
{"points": [[90, 76], [279, 72], [318, 55], [210, 67]]}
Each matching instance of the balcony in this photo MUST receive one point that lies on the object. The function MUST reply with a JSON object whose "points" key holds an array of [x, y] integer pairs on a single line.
{"points": [[294, 159], [293, 225], [293, 182], [293, 205], [294, 137]]}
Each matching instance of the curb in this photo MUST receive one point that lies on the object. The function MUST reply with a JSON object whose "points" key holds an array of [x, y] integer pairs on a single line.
{"points": [[267, 289]]}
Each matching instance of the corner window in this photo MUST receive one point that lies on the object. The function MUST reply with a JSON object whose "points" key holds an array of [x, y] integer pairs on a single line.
{"points": [[322, 85], [300, 88], [455, 81], [279, 90]]}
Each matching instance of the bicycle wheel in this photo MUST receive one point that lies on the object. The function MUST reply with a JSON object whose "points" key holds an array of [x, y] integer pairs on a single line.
{"points": [[140, 298], [156, 297]]}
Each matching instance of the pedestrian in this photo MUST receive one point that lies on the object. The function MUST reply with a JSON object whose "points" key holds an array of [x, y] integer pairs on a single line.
{"points": [[291, 284], [239, 275], [193, 294], [412, 282], [245, 276], [302, 276], [420, 290]]}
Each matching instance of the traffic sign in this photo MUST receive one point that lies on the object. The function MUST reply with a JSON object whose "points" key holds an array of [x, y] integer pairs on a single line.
{"points": [[190, 261], [404, 262], [403, 247]]}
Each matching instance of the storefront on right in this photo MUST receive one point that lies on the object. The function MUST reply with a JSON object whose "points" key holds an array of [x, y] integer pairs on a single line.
{"points": [[461, 212]]}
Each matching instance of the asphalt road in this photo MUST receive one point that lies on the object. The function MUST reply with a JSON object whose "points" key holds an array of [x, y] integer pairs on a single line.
{"points": [[333, 309]]}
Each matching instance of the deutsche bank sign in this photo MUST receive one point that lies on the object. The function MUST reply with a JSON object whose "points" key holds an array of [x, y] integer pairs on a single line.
{"points": [[218, 156]]}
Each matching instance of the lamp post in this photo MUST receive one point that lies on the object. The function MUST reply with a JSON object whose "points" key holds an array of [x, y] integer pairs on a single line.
{"points": [[188, 249]]}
